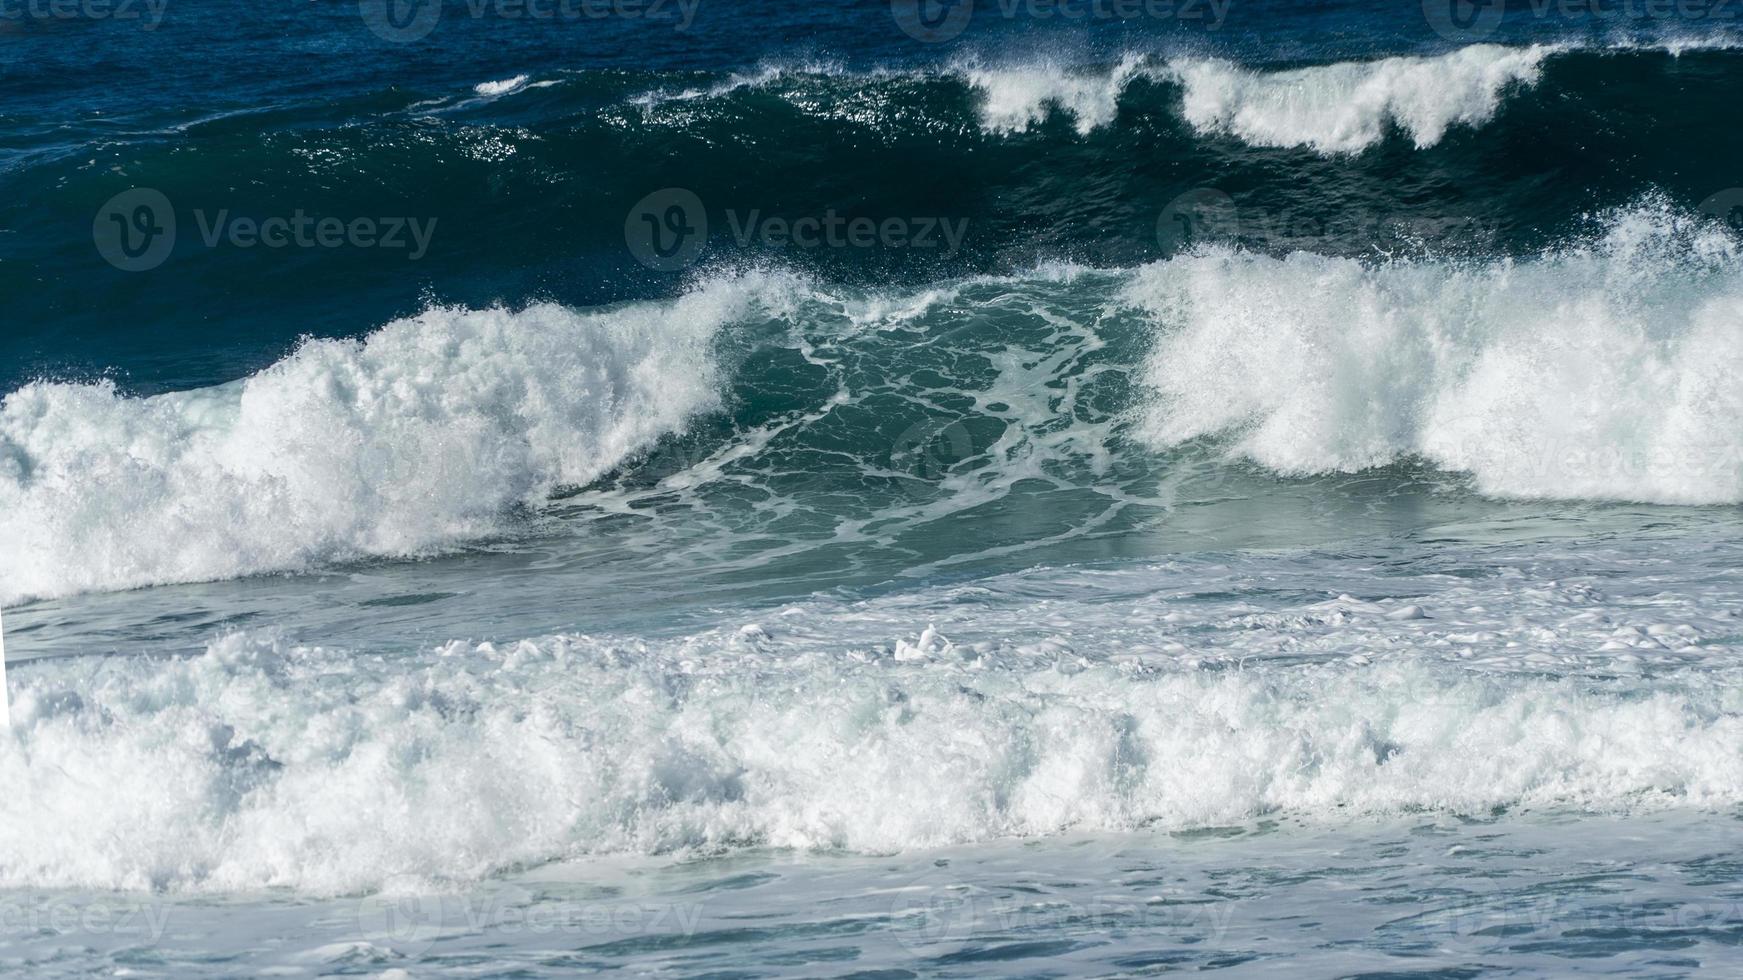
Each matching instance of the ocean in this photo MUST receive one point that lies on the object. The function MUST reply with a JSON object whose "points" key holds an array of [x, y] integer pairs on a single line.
{"points": [[520, 488]]}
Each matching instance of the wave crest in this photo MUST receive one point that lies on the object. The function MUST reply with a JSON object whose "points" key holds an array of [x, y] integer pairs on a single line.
{"points": [[420, 436], [1337, 108], [1599, 372], [1346, 107]]}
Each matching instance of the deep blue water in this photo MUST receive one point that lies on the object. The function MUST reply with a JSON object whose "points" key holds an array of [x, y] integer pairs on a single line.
{"points": [[258, 111]]}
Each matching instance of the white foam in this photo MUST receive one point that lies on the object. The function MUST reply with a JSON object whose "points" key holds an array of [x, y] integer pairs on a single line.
{"points": [[1336, 108], [858, 726], [1606, 372], [1346, 107], [764, 76], [1015, 98], [503, 87], [422, 435]]}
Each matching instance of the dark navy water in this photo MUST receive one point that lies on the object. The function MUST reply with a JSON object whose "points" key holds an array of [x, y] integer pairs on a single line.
{"points": [[257, 112]]}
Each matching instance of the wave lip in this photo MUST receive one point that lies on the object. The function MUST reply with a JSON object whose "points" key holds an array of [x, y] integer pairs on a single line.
{"points": [[423, 435]]}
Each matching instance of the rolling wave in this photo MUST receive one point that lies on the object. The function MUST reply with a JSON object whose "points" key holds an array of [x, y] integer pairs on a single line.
{"points": [[1335, 108], [1602, 370], [1041, 160]]}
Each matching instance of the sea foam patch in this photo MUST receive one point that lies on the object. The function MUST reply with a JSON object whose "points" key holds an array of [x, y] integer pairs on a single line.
{"points": [[1016, 707]]}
